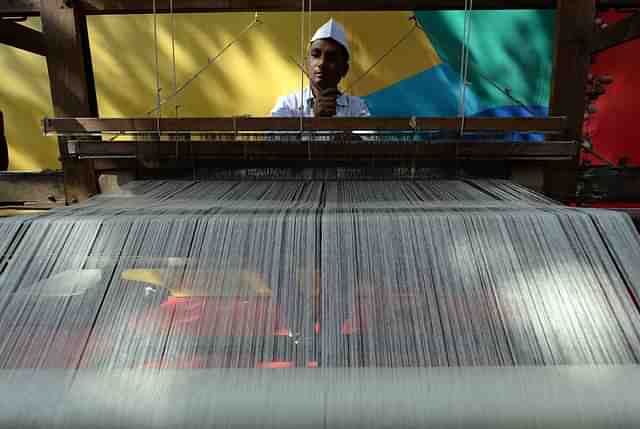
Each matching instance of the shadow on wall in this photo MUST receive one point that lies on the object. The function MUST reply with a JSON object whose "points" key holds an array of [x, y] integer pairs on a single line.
{"points": [[25, 99], [508, 50], [248, 77]]}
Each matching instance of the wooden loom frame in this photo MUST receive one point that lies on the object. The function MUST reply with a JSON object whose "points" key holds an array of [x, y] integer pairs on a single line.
{"points": [[65, 43]]}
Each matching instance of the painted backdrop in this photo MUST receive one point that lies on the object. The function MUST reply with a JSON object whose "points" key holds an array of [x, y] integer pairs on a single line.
{"points": [[510, 61]]}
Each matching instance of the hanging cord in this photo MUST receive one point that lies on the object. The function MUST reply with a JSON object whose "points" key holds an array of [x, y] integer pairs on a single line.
{"points": [[210, 62], [304, 73], [158, 109], [174, 69], [387, 53], [173, 52], [464, 63], [506, 91], [302, 101], [464, 70]]}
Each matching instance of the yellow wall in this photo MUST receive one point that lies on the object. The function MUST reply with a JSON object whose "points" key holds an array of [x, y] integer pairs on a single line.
{"points": [[245, 80], [25, 99]]}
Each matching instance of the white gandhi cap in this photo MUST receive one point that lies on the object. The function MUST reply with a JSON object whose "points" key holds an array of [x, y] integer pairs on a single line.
{"points": [[332, 30]]}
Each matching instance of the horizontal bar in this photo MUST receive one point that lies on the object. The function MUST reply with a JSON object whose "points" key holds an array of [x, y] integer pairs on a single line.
{"points": [[617, 4], [105, 7], [150, 125], [20, 187], [30, 207], [137, 6], [618, 33], [19, 8], [327, 151], [556, 397]]}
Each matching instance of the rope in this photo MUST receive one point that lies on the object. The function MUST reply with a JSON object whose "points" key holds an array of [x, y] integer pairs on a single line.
{"points": [[387, 53], [210, 62], [302, 101], [308, 79], [464, 64], [504, 90], [174, 69], [158, 109], [173, 51]]}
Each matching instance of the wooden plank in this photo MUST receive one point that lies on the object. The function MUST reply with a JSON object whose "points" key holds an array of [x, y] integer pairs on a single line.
{"points": [[26, 187], [273, 151], [68, 61], [622, 31], [19, 8], [140, 125], [21, 37], [572, 62], [72, 87], [617, 4], [145, 6], [9, 212], [31, 206], [601, 184], [97, 7], [90, 7]]}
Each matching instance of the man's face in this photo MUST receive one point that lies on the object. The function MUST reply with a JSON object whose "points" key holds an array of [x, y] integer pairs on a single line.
{"points": [[326, 64]]}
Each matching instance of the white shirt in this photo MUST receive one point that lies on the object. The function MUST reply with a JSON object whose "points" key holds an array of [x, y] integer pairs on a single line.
{"points": [[346, 105]]}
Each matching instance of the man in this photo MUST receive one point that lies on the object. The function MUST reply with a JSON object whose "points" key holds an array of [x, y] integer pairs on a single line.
{"points": [[326, 65]]}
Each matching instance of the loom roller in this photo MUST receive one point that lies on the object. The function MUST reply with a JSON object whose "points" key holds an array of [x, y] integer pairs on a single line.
{"points": [[550, 398]]}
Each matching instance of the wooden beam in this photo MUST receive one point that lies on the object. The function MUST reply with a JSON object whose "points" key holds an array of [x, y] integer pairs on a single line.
{"points": [[21, 37], [19, 8], [617, 4], [4, 148], [145, 6], [92, 7], [273, 151], [26, 187], [72, 87], [141, 125], [68, 61], [101, 7], [572, 62], [617, 34]]}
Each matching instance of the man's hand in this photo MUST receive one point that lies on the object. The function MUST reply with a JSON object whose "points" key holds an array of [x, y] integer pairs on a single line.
{"points": [[325, 104]]}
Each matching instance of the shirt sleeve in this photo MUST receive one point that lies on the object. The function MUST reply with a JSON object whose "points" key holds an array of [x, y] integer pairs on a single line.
{"points": [[282, 109]]}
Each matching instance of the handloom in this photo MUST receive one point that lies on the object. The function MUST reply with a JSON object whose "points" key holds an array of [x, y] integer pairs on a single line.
{"points": [[269, 303]]}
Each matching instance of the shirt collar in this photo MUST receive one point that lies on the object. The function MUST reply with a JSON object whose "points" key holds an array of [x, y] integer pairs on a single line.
{"points": [[308, 97]]}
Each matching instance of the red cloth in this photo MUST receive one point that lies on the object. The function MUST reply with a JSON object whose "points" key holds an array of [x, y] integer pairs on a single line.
{"points": [[615, 128]]}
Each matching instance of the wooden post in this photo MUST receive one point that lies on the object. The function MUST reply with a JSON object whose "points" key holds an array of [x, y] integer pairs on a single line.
{"points": [[4, 149], [72, 86], [575, 25]]}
